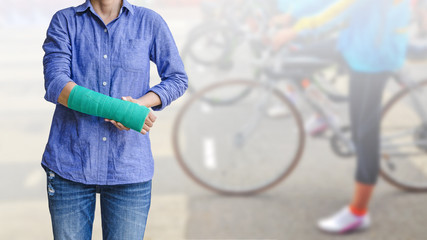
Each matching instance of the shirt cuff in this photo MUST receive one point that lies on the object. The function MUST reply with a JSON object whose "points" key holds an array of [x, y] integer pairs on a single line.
{"points": [[55, 88], [162, 94]]}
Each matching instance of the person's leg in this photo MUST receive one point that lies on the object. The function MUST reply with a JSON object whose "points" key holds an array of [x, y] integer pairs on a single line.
{"points": [[71, 207], [366, 92], [365, 115], [124, 210]]}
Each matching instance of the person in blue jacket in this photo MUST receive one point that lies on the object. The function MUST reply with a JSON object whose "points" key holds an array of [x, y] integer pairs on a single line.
{"points": [[373, 44]]}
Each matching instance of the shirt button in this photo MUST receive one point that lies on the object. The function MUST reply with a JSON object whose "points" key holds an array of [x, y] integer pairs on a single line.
{"points": [[105, 56], [104, 139], [105, 30], [104, 83]]}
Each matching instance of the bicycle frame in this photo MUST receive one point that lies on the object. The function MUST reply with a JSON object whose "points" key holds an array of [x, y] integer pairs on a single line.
{"points": [[271, 69]]}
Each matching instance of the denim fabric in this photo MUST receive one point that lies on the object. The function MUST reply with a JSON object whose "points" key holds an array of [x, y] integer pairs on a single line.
{"points": [[124, 209], [113, 60]]}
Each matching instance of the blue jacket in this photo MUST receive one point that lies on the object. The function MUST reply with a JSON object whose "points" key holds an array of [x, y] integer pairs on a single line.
{"points": [[374, 39], [303, 8]]}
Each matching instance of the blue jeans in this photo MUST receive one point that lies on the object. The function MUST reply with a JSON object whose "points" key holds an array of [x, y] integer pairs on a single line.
{"points": [[124, 209]]}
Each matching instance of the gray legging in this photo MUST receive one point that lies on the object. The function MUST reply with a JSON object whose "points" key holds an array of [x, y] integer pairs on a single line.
{"points": [[365, 115]]}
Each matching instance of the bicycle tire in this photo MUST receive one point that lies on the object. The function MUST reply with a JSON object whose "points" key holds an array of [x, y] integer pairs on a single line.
{"points": [[385, 174], [248, 190]]}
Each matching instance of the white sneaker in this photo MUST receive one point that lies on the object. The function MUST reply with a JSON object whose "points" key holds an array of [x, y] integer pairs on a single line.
{"points": [[316, 125], [344, 221]]}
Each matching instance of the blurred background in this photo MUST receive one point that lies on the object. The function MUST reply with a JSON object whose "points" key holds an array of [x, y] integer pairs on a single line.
{"points": [[221, 172]]}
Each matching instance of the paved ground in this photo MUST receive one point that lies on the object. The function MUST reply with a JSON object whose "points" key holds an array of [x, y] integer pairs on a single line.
{"points": [[180, 209]]}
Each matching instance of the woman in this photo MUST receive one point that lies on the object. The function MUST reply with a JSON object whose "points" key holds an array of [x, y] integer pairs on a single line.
{"points": [[373, 45], [96, 66]]}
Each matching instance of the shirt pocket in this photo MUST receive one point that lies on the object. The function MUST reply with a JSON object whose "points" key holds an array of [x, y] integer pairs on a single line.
{"points": [[134, 54]]}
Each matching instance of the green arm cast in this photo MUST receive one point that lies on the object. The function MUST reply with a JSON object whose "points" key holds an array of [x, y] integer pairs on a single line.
{"points": [[90, 102]]}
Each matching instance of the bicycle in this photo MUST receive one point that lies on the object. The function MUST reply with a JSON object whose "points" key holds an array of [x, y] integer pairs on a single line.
{"points": [[234, 161], [230, 30], [226, 32]]}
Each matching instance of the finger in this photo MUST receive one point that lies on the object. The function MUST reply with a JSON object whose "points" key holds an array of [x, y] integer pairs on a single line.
{"points": [[114, 123], [127, 98], [122, 126], [146, 128], [148, 122], [143, 131], [117, 125], [152, 116]]}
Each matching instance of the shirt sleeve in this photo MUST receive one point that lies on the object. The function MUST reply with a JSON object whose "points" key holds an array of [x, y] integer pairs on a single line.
{"points": [[57, 58], [318, 20], [165, 55]]}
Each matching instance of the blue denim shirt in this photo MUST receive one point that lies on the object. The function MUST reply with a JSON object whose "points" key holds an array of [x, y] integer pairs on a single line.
{"points": [[113, 60]]}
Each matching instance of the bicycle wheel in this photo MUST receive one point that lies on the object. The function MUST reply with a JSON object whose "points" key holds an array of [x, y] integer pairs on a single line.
{"points": [[237, 149], [404, 139]]}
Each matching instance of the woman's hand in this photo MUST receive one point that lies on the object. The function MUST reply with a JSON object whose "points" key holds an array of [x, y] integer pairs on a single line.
{"points": [[282, 37], [149, 120]]}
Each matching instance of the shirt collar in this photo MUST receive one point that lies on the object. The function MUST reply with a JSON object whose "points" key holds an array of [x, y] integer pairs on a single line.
{"points": [[87, 5], [84, 7], [128, 6]]}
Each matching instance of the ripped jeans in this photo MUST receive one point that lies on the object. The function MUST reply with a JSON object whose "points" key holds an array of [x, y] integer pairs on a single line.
{"points": [[124, 209]]}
